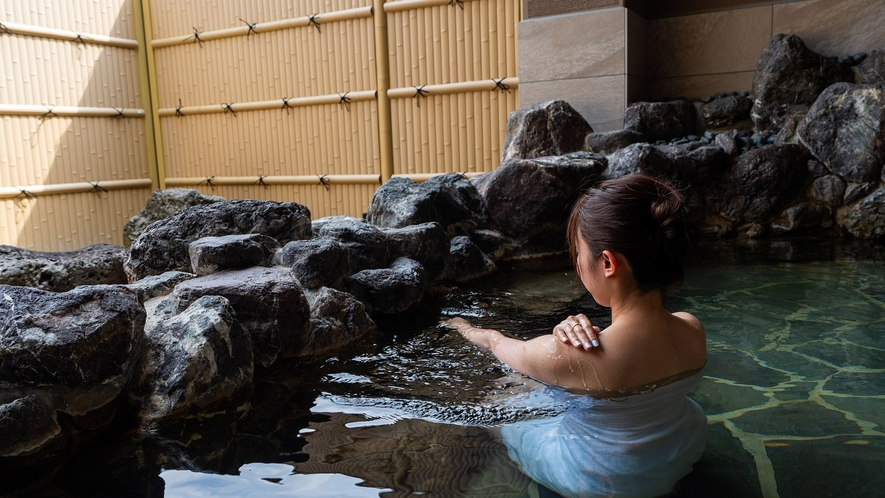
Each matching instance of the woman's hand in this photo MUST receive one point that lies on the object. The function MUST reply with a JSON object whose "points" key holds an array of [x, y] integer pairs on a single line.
{"points": [[578, 331], [483, 337]]}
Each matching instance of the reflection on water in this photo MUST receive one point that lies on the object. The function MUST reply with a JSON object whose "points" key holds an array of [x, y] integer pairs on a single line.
{"points": [[794, 393]]}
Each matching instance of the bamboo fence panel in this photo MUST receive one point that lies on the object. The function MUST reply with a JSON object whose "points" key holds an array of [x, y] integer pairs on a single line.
{"points": [[73, 163]]}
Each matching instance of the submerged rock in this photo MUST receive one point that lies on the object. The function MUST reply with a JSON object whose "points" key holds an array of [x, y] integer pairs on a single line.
{"points": [[196, 360], [319, 262], [388, 291], [29, 435], [62, 271], [661, 120], [789, 79], [164, 203], [268, 302], [803, 215], [163, 246], [551, 128], [337, 319], [449, 199], [845, 129], [229, 252]]}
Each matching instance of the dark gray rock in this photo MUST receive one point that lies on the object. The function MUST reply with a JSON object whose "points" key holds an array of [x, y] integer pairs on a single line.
{"points": [[610, 141], [337, 320], [197, 361], [319, 262], [788, 79], [530, 199], [726, 111], [163, 246], [728, 142], [872, 69], [829, 189], [388, 291], [549, 128], [468, 261], [162, 204], [62, 271], [845, 129], [761, 182], [449, 199], [855, 191], [269, 304], [366, 244], [668, 162], [865, 219], [661, 120], [29, 435], [816, 169], [803, 215], [427, 244], [159, 285], [491, 242], [230, 252]]}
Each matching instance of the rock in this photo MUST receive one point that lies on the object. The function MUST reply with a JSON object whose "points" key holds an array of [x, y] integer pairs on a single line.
{"points": [[871, 69], [319, 262], [788, 133], [549, 128], [728, 142], [530, 199], [667, 162], [610, 141], [759, 183], [696, 166], [855, 191], [365, 243], [726, 111], [389, 291], [337, 320], [268, 302], [62, 271], [427, 244], [845, 129], [159, 285], [196, 361], [448, 199], [163, 246], [789, 78], [661, 120], [829, 189], [468, 261], [29, 435], [803, 215], [162, 204], [816, 169], [866, 219], [230, 252]]}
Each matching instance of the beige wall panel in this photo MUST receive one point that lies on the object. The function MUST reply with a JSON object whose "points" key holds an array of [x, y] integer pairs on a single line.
{"points": [[339, 200], [699, 86], [550, 48], [68, 222], [450, 133], [601, 100], [43, 71], [68, 150], [288, 63], [106, 17], [444, 44], [717, 42], [314, 140], [834, 27], [180, 17]]}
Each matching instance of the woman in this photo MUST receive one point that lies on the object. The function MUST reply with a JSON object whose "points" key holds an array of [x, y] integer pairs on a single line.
{"points": [[627, 238]]}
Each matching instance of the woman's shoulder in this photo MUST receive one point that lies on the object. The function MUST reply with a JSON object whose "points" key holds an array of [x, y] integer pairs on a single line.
{"points": [[689, 320]]}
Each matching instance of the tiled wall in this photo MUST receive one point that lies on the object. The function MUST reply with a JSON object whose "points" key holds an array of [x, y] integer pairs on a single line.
{"points": [[600, 61]]}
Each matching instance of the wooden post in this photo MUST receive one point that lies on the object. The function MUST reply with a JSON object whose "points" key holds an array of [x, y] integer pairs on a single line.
{"points": [[147, 80], [382, 78]]}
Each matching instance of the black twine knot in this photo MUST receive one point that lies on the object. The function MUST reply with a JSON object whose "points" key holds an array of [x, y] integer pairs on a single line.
{"points": [[208, 181], [197, 37], [98, 189], [79, 38], [344, 100], [260, 181], [48, 113], [500, 85], [314, 20], [285, 105], [6, 30], [178, 112], [229, 107], [420, 92], [120, 114], [324, 181], [28, 195], [459, 3], [251, 29]]}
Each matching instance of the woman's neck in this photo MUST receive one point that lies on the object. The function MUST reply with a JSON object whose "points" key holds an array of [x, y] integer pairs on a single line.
{"points": [[637, 304]]}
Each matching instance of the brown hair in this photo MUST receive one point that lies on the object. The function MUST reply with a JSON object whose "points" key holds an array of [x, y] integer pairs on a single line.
{"points": [[641, 218]]}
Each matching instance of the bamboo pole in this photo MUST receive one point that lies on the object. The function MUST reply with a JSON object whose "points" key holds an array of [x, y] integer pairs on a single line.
{"points": [[402, 5], [264, 27], [145, 89], [452, 88], [267, 104], [60, 110], [318, 180], [382, 77], [72, 188], [66, 35]]}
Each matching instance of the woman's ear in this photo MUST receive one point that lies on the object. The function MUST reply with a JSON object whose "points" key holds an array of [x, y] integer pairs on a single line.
{"points": [[610, 263]]}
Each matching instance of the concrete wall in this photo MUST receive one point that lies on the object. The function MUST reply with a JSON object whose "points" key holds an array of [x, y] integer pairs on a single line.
{"points": [[602, 60]]}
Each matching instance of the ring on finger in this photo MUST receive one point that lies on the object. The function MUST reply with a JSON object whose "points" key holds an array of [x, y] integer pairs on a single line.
{"points": [[575, 325]]}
